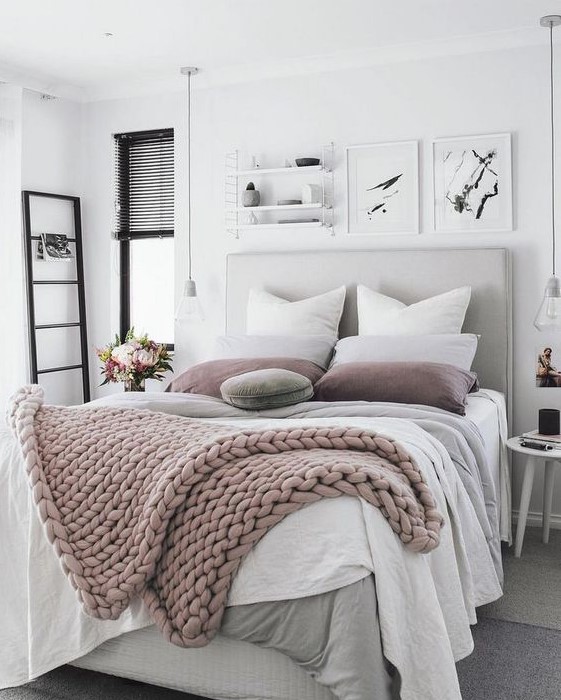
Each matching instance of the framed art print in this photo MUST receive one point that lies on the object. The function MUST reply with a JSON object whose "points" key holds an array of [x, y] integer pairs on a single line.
{"points": [[548, 369], [472, 183], [383, 188]]}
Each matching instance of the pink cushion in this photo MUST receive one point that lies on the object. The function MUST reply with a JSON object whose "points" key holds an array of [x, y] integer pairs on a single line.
{"points": [[207, 377], [426, 383]]}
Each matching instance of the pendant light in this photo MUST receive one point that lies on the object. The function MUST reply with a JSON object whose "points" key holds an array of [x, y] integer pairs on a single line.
{"points": [[549, 313], [189, 307]]}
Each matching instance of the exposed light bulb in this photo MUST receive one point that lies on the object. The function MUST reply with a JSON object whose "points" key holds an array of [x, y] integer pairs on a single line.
{"points": [[189, 307], [549, 313]]}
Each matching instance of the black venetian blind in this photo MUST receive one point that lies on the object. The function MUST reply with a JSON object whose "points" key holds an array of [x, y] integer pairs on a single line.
{"points": [[144, 184]]}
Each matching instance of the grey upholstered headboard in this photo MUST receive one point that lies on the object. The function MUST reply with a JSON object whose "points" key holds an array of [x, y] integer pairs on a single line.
{"points": [[408, 275]]}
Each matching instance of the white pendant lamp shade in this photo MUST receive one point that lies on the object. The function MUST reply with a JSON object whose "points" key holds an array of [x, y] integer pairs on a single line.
{"points": [[548, 317], [189, 307]]}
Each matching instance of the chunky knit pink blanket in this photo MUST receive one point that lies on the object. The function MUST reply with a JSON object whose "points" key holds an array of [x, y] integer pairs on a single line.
{"points": [[165, 507]]}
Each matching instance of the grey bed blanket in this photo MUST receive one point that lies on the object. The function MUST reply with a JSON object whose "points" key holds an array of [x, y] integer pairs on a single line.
{"points": [[335, 637], [457, 435]]}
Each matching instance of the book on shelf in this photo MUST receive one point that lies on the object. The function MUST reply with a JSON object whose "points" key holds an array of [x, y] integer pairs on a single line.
{"points": [[552, 439]]}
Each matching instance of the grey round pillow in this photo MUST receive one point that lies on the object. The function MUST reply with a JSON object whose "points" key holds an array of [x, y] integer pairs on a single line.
{"points": [[266, 388]]}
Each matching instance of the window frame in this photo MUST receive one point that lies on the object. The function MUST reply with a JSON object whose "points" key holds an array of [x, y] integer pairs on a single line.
{"points": [[125, 240]]}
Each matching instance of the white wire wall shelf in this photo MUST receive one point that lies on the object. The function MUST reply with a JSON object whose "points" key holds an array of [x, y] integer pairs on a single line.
{"points": [[277, 207], [254, 172], [240, 218], [295, 224]]}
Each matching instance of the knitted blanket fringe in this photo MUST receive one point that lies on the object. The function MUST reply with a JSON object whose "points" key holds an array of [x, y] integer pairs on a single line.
{"points": [[166, 507]]}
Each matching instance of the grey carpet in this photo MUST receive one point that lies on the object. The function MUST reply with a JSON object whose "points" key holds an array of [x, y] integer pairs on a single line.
{"points": [[532, 583], [512, 662], [69, 683]]}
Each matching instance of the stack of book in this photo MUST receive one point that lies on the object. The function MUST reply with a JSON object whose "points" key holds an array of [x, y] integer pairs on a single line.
{"points": [[553, 440]]}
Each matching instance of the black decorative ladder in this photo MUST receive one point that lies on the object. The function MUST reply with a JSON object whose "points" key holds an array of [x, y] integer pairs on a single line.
{"points": [[33, 284]]}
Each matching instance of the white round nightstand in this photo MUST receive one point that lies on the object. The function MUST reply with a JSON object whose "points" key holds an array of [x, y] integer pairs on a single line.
{"points": [[549, 460]]}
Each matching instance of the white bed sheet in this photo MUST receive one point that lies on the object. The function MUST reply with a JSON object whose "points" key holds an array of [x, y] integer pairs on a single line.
{"points": [[254, 582], [487, 409], [484, 413]]}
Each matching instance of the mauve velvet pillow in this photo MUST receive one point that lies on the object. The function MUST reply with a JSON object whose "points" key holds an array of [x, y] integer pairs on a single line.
{"points": [[207, 377], [426, 383]]}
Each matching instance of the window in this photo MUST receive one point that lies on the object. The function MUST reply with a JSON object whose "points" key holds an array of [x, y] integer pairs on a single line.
{"points": [[144, 227]]}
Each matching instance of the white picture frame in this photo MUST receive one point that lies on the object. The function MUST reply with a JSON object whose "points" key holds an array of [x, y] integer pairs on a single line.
{"points": [[382, 182], [469, 196]]}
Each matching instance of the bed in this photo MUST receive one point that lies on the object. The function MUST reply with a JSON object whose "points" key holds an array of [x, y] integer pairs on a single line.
{"points": [[230, 667]]}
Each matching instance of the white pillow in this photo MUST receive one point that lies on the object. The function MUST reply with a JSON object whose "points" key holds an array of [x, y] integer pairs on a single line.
{"points": [[450, 349], [316, 348], [271, 315], [382, 315]]}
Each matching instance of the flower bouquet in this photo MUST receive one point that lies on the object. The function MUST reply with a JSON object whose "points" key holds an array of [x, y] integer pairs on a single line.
{"points": [[134, 361]]}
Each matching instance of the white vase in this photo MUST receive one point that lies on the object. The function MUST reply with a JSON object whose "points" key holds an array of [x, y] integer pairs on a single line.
{"points": [[311, 194]]}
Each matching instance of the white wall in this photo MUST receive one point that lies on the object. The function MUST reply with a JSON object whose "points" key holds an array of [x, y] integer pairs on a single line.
{"points": [[52, 139], [460, 95], [101, 121], [52, 162]]}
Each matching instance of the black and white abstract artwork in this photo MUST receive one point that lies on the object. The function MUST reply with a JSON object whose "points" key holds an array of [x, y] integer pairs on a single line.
{"points": [[383, 188], [473, 183]]}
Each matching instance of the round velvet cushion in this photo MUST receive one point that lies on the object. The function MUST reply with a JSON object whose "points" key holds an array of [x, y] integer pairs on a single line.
{"points": [[266, 388]]}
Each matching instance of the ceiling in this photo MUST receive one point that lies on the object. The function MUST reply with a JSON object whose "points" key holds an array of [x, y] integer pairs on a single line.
{"points": [[59, 46]]}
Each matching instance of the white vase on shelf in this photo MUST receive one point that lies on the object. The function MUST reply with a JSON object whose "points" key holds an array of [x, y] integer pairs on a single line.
{"points": [[311, 194]]}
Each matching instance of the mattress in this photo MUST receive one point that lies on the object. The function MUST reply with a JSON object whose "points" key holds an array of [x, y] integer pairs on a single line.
{"points": [[486, 409], [485, 414]]}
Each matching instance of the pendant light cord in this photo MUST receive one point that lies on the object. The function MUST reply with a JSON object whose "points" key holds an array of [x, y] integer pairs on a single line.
{"points": [[552, 115], [189, 174]]}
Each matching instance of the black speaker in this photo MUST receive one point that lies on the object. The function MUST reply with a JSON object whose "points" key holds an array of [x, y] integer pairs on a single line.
{"points": [[548, 421]]}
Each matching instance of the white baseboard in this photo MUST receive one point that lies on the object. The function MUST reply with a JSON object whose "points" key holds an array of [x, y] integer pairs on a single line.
{"points": [[535, 519]]}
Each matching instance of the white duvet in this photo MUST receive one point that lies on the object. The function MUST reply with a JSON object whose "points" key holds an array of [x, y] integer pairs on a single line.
{"points": [[426, 602]]}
